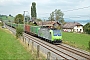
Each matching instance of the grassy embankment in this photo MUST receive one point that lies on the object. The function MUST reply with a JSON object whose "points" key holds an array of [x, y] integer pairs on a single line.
{"points": [[76, 40], [10, 47]]}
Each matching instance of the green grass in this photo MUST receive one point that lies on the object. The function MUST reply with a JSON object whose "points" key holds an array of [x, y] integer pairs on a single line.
{"points": [[10, 47], [77, 40], [8, 18], [3, 18]]}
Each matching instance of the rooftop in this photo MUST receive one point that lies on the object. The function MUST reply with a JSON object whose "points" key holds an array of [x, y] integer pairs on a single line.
{"points": [[71, 24]]}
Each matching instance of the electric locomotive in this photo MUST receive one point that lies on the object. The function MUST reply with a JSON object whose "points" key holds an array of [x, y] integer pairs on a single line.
{"points": [[51, 35]]}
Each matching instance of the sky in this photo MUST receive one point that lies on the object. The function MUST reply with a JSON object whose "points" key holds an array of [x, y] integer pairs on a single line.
{"points": [[72, 9]]}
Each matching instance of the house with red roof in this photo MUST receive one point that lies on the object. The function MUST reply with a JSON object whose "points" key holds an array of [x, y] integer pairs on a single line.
{"points": [[50, 24], [73, 27]]}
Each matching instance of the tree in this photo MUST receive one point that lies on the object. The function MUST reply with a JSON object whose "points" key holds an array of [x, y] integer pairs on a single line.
{"points": [[10, 15], [87, 28], [51, 16], [19, 32], [33, 11], [27, 18], [57, 15], [32, 14], [19, 19]]}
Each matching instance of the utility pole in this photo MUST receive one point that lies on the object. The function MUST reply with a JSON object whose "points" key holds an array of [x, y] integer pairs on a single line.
{"points": [[24, 19]]}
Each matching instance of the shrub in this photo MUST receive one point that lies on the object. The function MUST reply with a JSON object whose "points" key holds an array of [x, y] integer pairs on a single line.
{"points": [[89, 45], [87, 28], [33, 24], [1, 24], [19, 32]]}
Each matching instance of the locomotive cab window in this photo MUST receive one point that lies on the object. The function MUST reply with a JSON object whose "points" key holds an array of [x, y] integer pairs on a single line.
{"points": [[56, 33]]}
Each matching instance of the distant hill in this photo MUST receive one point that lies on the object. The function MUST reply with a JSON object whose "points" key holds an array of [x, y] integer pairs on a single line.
{"points": [[83, 22], [4, 17]]}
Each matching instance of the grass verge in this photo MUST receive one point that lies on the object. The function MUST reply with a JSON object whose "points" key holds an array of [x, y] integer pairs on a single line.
{"points": [[77, 40], [10, 47]]}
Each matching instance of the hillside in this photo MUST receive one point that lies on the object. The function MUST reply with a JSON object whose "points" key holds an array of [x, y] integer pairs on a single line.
{"points": [[4, 17]]}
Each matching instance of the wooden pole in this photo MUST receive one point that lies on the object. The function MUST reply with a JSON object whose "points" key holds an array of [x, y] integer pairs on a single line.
{"points": [[28, 42], [48, 55], [32, 46], [56, 58], [25, 40], [38, 47]]}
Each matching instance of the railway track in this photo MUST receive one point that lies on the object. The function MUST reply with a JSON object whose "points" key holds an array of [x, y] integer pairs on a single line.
{"points": [[82, 54], [72, 57], [47, 48]]}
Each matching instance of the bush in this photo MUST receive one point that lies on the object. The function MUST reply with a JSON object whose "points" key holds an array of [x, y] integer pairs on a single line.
{"points": [[89, 45], [19, 32], [87, 28], [31, 23], [1, 24]]}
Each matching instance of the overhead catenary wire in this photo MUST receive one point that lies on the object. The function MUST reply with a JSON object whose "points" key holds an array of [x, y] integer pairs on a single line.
{"points": [[77, 9], [80, 16], [73, 9], [77, 16]]}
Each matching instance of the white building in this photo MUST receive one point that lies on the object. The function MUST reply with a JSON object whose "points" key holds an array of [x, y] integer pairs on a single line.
{"points": [[73, 27]]}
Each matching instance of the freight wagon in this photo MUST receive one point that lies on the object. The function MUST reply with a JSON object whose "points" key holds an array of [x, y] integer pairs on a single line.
{"points": [[32, 29], [13, 25]]}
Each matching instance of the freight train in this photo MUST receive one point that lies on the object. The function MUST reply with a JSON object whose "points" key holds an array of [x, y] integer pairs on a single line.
{"points": [[50, 35]]}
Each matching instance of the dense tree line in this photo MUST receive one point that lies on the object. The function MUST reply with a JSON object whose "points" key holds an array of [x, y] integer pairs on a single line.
{"points": [[87, 31], [1, 16], [5, 15], [87, 28]]}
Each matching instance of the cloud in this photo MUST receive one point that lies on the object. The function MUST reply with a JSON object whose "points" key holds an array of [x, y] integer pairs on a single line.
{"points": [[9, 2], [84, 11], [45, 7]]}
